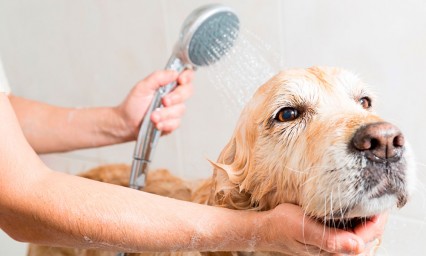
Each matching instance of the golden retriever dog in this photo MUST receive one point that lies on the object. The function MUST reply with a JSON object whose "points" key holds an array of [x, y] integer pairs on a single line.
{"points": [[308, 137]]}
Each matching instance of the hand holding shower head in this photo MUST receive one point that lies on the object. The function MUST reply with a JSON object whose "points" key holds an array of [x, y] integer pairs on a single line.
{"points": [[206, 35]]}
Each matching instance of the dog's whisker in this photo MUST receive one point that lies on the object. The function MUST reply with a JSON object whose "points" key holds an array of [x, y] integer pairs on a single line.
{"points": [[325, 219], [340, 205], [294, 170], [303, 233], [312, 177], [331, 209], [420, 191]]}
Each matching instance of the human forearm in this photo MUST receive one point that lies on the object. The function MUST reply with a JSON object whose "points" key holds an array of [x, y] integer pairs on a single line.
{"points": [[83, 213], [53, 129], [39, 205]]}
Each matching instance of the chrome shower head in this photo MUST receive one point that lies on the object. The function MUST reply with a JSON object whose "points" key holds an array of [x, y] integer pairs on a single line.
{"points": [[207, 34]]}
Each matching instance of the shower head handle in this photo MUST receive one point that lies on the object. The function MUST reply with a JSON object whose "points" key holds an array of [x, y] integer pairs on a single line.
{"points": [[206, 35]]}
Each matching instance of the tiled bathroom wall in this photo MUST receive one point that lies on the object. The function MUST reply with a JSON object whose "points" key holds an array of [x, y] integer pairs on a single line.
{"points": [[90, 53]]}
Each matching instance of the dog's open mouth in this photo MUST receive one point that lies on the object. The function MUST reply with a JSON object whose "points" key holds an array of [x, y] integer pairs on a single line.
{"points": [[347, 224]]}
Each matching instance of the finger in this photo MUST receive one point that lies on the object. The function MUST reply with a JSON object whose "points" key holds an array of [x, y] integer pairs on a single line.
{"points": [[168, 126], [183, 91], [373, 228], [186, 76], [160, 78], [178, 96], [373, 246], [164, 114], [330, 239]]}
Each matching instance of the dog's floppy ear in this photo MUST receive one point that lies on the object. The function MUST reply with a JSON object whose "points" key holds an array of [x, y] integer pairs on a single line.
{"points": [[232, 166]]}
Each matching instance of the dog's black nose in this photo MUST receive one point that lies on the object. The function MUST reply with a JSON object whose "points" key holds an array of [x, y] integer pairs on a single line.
{"points": [[380, 141]]}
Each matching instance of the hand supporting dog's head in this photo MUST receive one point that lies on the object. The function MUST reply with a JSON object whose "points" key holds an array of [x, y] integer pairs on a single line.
{"points": [[310, 137]]}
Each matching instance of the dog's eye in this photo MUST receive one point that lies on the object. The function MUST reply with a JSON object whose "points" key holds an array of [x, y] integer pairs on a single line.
{"points": [[365, 102], [287, 114]]}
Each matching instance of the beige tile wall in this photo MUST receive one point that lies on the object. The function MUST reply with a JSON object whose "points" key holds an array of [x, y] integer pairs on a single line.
{"points": [[90, 53]]}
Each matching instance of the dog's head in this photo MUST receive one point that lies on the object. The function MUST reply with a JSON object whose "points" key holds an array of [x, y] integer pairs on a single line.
{"points": [[311, 137]]}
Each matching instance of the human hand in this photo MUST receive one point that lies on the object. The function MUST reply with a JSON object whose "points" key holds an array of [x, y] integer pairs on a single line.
{"points": [[371, 232], [166, 119], [288, 230]]}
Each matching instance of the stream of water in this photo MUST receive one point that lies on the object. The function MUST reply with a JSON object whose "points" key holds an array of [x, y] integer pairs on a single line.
{"points": [[243, 69]]}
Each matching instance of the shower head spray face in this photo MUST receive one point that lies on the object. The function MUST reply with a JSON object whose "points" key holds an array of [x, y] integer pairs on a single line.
{"points": [[207, 34]]}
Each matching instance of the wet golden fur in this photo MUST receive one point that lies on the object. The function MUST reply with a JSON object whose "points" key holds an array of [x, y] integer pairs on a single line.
{"points": [[267, 163]]}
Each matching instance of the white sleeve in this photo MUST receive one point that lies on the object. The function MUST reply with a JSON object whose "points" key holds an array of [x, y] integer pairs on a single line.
{"points": [[4, 84]]}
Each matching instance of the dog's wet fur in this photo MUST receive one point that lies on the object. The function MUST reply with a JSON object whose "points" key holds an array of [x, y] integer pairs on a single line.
{"points": [[308, 137]]}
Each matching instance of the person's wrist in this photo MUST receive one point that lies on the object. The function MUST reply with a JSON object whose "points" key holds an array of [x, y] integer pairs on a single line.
{"points": [[253, 231], [262, 231], [124, 127]]}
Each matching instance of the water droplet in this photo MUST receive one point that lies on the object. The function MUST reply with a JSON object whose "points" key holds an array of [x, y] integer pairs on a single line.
{"points": [[242, 69]]}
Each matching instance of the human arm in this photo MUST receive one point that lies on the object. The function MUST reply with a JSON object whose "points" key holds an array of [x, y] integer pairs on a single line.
{"points": [[53, 129]]}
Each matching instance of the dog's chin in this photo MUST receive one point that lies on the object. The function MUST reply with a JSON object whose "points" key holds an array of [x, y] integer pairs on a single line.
{"points": [[362, 212], [373, 206]]}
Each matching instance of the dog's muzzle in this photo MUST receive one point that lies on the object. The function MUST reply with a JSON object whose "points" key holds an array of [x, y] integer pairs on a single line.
{"points": [[382, 145]]}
